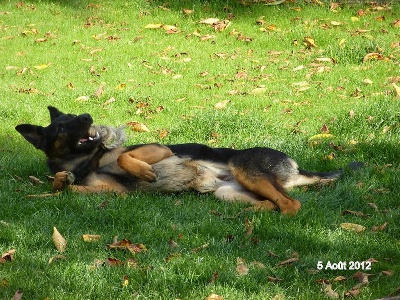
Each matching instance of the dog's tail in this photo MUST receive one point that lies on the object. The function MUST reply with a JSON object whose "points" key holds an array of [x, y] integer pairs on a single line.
{"points": [[307, 178]]}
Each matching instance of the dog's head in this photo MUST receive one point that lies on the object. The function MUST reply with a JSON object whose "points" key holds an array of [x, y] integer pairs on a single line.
{"points": [[66, 134]]}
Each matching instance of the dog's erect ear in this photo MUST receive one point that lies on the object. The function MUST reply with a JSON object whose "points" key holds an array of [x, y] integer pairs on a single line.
{"points": [[54, 113], [33, 134]]}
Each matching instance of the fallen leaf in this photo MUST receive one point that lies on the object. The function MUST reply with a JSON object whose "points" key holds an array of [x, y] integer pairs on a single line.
{"points": [[309, 42], [339, 278], [41, 67], [113, 262], [241, 268], [214, 297], [8, 256], [35, 180], [396, 89], [187, 11], [288, 261], [354, 213], [209, 21], [221, 104], [379, 228], [330, 292], [202, 247], [273, 279], [59, 242], [362, 278], [373, 56], [138, 127], [352, 227], [57, 257], [387, 273], [125, 281], [91, 237], [154, 26], [127, 245]]}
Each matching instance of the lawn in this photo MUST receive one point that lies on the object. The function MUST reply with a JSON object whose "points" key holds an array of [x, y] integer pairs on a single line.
{"points": [[317, 80]]}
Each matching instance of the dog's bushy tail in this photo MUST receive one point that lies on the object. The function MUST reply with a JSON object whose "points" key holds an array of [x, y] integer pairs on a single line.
{"points": [[306, 177]]}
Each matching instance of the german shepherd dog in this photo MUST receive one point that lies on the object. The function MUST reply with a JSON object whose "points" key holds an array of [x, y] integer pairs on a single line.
{"points": [[93, 158]]}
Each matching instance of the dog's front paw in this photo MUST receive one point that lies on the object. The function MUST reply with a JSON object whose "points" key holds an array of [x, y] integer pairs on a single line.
{"points": [[145, 172], [62, 180]]}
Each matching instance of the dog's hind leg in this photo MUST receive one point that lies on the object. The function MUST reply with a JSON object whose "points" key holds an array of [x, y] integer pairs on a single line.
{"points": [[138, 161], [267, 188], [234, 192]]}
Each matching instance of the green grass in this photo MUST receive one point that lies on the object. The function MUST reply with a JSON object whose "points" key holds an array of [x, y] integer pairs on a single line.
{"points": [[89, 44]]}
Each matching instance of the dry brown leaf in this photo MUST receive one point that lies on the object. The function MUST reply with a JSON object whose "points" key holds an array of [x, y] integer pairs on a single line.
{"points": [[138, 127], [202, 247], [288, 261], [57, 257], [373, 56], [309, 42], [221, 104], [354, 213], [352, 227], [8, 256], [214, 297], [187, 11], [59, 242], [273, 279], [339, 278], [379, 228], [113, 262], [91, 237], [241, 268], [362, 278], [209, 21], [127, 245], [154, 26], [387, 273], [396, 89], [330, 292]]}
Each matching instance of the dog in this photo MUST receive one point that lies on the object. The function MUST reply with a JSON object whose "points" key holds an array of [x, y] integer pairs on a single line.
{"points": [[90, 158]]}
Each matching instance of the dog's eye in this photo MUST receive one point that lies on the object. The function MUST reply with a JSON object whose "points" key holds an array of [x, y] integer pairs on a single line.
{"points": [[61, 128]]}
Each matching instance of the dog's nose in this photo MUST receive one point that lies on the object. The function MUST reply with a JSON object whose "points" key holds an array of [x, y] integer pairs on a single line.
{"points": [[86, 119]]}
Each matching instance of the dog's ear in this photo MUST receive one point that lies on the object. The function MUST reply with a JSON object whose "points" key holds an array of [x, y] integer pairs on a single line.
{"points": [[54, 113], [33, 134]]}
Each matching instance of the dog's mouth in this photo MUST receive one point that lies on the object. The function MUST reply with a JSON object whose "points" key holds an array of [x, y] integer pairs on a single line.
{"points": [[92, 136]]}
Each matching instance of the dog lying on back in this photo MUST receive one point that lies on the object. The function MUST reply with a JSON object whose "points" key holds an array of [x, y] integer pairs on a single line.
{"points": [[89, 158]]}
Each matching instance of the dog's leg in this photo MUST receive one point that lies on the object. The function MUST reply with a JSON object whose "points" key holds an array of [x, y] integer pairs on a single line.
{"points": [[63, 180], [233, 192], [138, 161], [265, 187]]}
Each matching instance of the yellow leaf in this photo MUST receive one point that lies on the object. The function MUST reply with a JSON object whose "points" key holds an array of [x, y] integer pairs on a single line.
{"points": [[352, 227], [209, 21], [258, 91], [396, 89], [354, 19], [221, 104], [41, 67], [125, 282], [153, 26], [138, 127], [214, 297], [91, 237], [59, 242]]}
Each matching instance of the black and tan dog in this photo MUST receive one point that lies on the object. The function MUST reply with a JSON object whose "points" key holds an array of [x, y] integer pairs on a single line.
{"points": [[94, 159]]}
